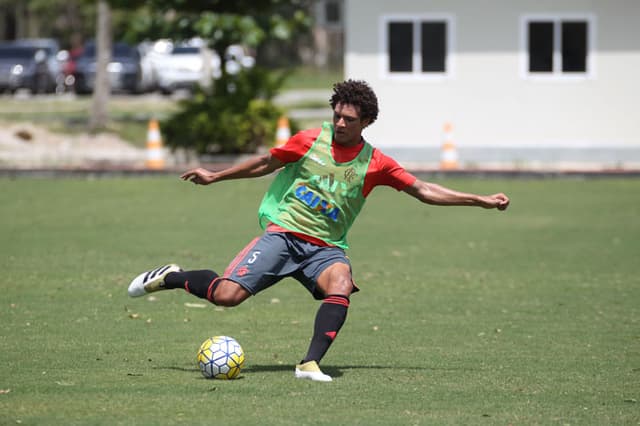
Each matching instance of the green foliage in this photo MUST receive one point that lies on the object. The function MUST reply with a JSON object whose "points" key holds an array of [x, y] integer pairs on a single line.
{"points": [[221, 24], [224, 29], [196, 6], [60, 19], [237, 117]]}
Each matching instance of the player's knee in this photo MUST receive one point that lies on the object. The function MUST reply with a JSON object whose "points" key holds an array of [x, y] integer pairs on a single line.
{"points": [[338, 282], [342, 286], [229, 293]]}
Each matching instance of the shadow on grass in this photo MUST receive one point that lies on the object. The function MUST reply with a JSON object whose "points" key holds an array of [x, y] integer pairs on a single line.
{"points": [[332, 370], [337, 371]]}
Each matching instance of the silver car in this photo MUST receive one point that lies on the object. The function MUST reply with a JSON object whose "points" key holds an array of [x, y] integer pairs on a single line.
{"points": [[182, 68]]}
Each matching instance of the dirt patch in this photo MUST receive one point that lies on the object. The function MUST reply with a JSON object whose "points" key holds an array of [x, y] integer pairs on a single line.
{"points": [[24, 145]]}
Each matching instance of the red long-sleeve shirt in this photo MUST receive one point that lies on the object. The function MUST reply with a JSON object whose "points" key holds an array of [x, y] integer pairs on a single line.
{"points": [[383, 170]]}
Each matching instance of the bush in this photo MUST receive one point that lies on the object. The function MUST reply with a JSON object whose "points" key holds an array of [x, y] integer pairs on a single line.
{"points": [[237, 117]]}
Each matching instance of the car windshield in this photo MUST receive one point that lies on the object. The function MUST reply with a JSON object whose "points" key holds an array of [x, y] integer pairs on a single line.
{"points": [[118, 49], [185, 50], [17, 52], [49, 46]]}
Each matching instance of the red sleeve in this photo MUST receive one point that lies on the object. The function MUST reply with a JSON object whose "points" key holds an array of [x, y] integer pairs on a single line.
{"points": [[384, 170], [296, 147]]}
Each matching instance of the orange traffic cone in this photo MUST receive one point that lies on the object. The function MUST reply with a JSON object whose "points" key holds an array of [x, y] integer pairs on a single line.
{"points": [[283, 133], [449, 155], [155, 154]]}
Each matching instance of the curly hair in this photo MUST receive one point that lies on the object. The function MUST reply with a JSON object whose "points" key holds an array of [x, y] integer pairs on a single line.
{"points": [[359, 94]]}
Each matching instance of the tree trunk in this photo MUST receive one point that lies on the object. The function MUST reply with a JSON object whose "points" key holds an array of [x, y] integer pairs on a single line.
{"points": [[22, 26], [102, 87]]}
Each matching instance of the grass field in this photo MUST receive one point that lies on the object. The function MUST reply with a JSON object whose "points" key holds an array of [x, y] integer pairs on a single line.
{"points": [[466, 316]]}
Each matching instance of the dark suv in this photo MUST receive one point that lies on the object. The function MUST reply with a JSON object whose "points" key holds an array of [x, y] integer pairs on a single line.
{"points": [[124, 69], [25, 67]]}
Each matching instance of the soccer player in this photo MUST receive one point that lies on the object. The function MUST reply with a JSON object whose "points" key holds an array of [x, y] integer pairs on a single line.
{"points": [[324, 178]]}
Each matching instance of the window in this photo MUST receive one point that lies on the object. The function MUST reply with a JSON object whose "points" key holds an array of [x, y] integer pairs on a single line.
{"points": [[558, 46], [416, 46], [540, 47], [574, 46], [332, 12], [434, 46], [400, 46]]}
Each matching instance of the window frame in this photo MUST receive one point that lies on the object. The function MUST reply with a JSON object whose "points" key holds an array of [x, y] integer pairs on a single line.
{"points": [[417, 20], [557, 73]]}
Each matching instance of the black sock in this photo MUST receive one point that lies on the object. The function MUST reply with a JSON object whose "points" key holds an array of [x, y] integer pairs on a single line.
{"points": [[329, 319], [200, 283]]}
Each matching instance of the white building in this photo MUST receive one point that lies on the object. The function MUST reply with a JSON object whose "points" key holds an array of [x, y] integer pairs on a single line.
{"points": [[530, 83]]}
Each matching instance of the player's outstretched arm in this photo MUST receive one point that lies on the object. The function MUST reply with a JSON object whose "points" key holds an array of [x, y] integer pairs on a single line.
{"points": [[432, 193], [254, 167]]}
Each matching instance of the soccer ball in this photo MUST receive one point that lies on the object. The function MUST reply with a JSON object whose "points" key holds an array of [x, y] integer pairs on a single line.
{"points": [[220, 357]]}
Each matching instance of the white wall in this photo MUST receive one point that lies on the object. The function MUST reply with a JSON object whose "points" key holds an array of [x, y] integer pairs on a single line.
{"points": [[487, 95]]}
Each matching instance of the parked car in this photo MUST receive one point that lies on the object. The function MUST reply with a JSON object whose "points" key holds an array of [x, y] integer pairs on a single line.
{"points": [[25, 67], [149, 75], [55, 57], [124, 69], [182, 68]]}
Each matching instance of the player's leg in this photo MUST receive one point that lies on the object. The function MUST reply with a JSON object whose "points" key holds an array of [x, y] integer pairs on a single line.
{"points": [[201, 283], [335, 285], [205, 284]]}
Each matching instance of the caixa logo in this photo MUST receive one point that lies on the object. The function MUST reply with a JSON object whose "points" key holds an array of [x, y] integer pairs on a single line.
{"points": [[315, 202]]}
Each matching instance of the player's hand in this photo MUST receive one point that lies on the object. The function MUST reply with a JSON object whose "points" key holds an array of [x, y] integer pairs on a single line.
{"points": [[496, 201], [199, 176], [501, 200]]}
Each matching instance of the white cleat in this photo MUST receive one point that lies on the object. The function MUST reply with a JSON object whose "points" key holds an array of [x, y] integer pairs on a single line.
{"points": [[310, 370], [150, 281]]}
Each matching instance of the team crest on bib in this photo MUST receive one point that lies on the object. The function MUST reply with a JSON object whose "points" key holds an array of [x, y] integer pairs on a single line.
{"points": [[350, 174]]}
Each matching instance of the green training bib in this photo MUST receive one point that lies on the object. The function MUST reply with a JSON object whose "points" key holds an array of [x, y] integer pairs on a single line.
{"points": [[316, 195]]}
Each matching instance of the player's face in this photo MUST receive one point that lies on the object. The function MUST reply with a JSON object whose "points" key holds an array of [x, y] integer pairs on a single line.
{"points": [[347, 124]]}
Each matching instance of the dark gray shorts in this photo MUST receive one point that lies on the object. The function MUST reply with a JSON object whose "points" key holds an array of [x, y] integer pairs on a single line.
{"points": [[277, 255]]}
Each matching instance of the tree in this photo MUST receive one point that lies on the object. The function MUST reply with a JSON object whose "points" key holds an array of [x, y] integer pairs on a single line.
{"points": [[221, 23], [63, 20], [237, 115], [102, 88]]}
